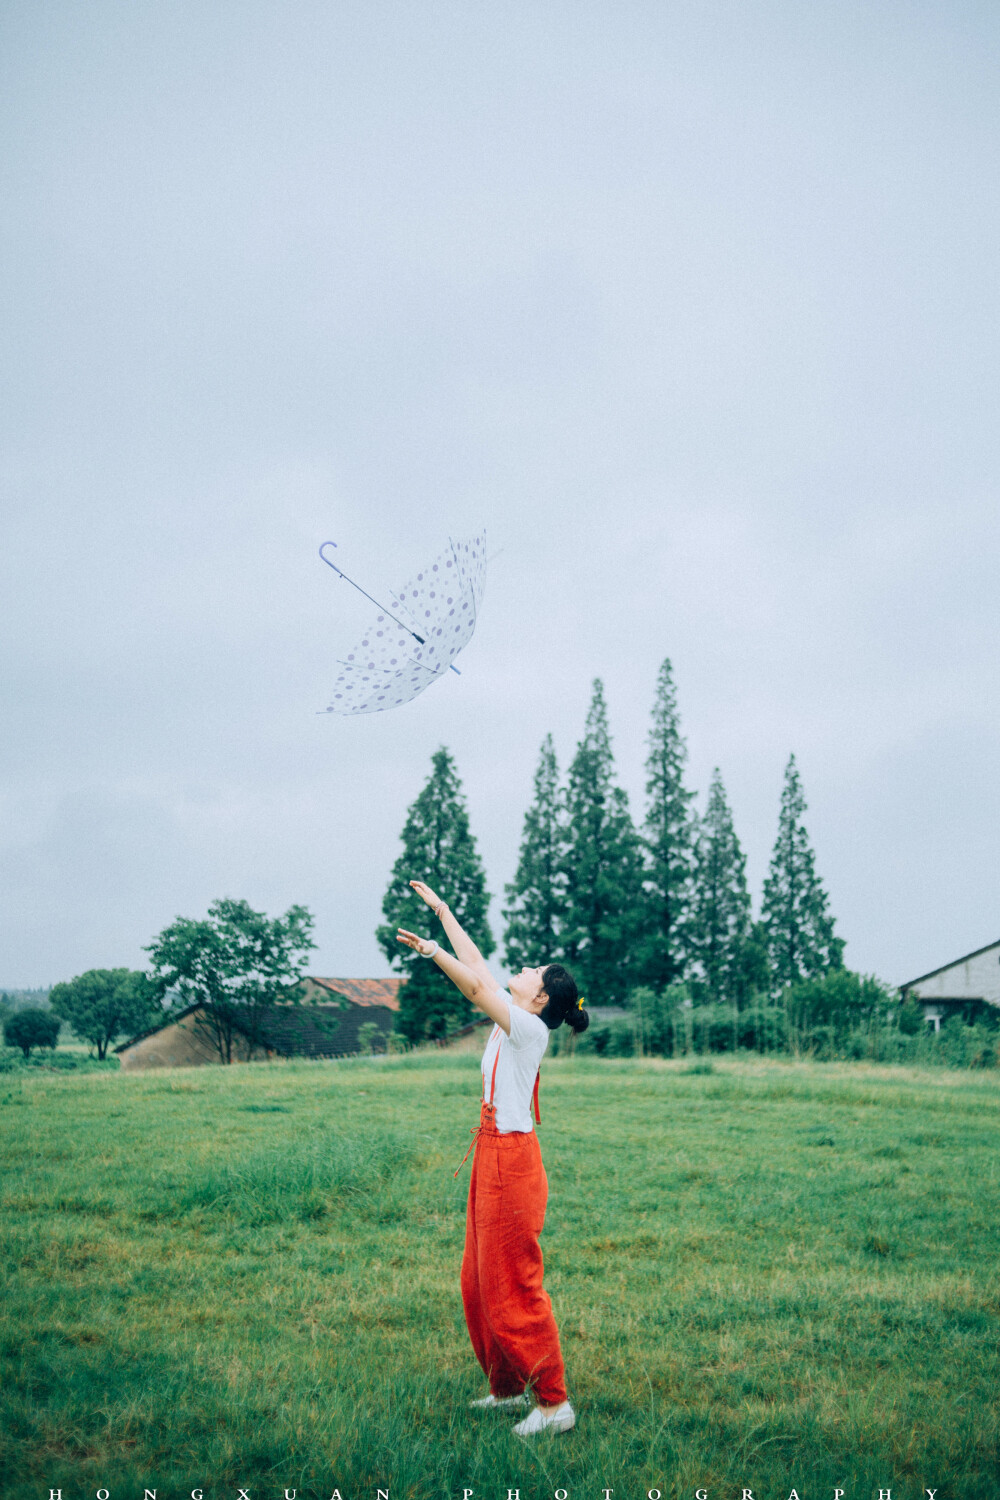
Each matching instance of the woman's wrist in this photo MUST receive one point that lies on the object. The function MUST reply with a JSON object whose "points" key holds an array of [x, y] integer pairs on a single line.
{"points": [[441, 906], [435, 945]]}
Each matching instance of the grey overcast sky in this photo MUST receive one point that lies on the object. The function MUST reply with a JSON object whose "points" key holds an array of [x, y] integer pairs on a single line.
{"points": [[693, 305]]}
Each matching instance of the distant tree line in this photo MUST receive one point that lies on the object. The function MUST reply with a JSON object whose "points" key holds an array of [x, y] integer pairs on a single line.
{"points": [[11, 999]]}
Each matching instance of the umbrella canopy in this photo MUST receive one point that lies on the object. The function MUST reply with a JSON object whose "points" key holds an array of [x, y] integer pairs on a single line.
{"points": [[403, 651]]}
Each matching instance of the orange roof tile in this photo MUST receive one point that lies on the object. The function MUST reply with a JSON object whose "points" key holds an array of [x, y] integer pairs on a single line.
{"points": [[363, 991]]}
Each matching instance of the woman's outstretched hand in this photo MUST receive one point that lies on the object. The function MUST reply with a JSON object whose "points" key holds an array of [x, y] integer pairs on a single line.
{"points": [[420, 945], [426, 894]]}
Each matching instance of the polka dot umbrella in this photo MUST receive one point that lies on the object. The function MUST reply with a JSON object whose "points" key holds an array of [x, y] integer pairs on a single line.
{"points": [[407, 648]]}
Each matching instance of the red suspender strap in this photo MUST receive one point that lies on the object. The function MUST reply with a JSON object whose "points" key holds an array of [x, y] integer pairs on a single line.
{"points": [[493, 1076], [538, 1118], [476, 1128]]}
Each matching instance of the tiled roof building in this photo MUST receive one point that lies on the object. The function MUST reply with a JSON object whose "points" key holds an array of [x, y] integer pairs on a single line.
{"points": [[326, 1022]]}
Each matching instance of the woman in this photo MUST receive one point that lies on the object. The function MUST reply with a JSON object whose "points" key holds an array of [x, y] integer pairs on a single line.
{"points": [[509, 1316]]}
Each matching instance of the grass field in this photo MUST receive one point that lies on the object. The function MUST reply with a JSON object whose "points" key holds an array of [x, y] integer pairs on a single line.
{"points": [[766, 1274]]}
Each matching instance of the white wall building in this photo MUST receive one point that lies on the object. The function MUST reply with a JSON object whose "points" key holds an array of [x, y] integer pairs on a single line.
{"points": [[974, 977]]}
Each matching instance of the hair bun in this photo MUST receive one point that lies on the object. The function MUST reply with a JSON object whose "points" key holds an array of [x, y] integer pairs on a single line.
{"points": [[579, 1020]]}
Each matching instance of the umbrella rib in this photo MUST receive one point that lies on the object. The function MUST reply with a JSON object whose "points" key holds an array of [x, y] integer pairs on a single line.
{"points": [[354, 666]]}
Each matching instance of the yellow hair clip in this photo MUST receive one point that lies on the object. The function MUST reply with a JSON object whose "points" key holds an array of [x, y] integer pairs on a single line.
{"points": [[579, 1003]]}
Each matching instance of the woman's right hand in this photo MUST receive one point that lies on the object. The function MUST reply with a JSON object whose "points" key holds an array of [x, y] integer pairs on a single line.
{"points": [[426, 894], [423, 946]]}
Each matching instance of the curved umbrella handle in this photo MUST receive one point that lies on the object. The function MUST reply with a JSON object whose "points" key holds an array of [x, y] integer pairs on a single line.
{"points": [[327, 560]]}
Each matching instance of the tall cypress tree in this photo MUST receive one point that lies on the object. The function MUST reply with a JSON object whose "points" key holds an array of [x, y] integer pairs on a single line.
{"points": [[536, 899], [795, 918], [670, 831], [720, 923], [438, 847], [602, 865]]}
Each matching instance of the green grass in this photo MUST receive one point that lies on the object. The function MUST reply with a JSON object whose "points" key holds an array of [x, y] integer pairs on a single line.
{"points": [[769, 1274]]}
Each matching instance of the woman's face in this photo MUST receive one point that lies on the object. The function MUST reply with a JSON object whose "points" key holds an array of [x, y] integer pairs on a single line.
{"points": [[526, 989]]}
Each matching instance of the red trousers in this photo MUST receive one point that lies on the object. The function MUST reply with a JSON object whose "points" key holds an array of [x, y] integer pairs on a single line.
{"points": [[509, 1316]]}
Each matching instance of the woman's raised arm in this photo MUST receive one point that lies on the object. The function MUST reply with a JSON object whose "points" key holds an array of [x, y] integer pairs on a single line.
{"points": [[465, 949], [485, 996]]}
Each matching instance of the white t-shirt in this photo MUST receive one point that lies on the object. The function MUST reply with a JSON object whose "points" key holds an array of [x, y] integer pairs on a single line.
{"points": [[517, 1068]]}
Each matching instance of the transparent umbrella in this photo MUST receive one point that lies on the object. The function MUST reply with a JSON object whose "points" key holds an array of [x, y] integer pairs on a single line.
{"points": [[413, 643]]}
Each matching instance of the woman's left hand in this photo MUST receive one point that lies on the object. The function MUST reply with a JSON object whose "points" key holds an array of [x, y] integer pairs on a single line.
{"points": [[420, 945], [426, 894]]}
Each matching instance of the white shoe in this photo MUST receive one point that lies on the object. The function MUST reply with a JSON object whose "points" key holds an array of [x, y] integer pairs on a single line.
{"points": [[560, 1420], [491, 1402]]}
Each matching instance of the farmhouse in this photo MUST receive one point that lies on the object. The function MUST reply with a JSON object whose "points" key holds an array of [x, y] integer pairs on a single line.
{"points": [[964, 985], [327, 1022]]}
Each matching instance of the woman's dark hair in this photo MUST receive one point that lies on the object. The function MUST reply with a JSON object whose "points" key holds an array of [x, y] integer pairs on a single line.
{"points": [[564, 1000]]}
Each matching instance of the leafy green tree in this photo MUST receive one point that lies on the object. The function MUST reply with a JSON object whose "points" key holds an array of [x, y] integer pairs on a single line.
{"points": [[720, 925], [536, 899], [603, 868], [438, 847], [237, 964], [795, 910], [104, 1004], [670, 835], [31, 1027]]}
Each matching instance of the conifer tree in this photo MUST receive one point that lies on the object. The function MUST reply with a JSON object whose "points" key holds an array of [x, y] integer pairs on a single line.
{"points": [[720, 925], [438, 847], [603, 868], [794, 915], [536, 899], [670, 830]]}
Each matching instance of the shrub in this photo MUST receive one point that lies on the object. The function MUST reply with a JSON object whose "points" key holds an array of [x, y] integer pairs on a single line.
{"points": [[963, 1046], [621, 1041], [823, 1012], [715, 1028], [611, 1038], [655, 1018], [594, 1039], [31, 1028], [910, 1018], [763, 1028], [370, 1038]]}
